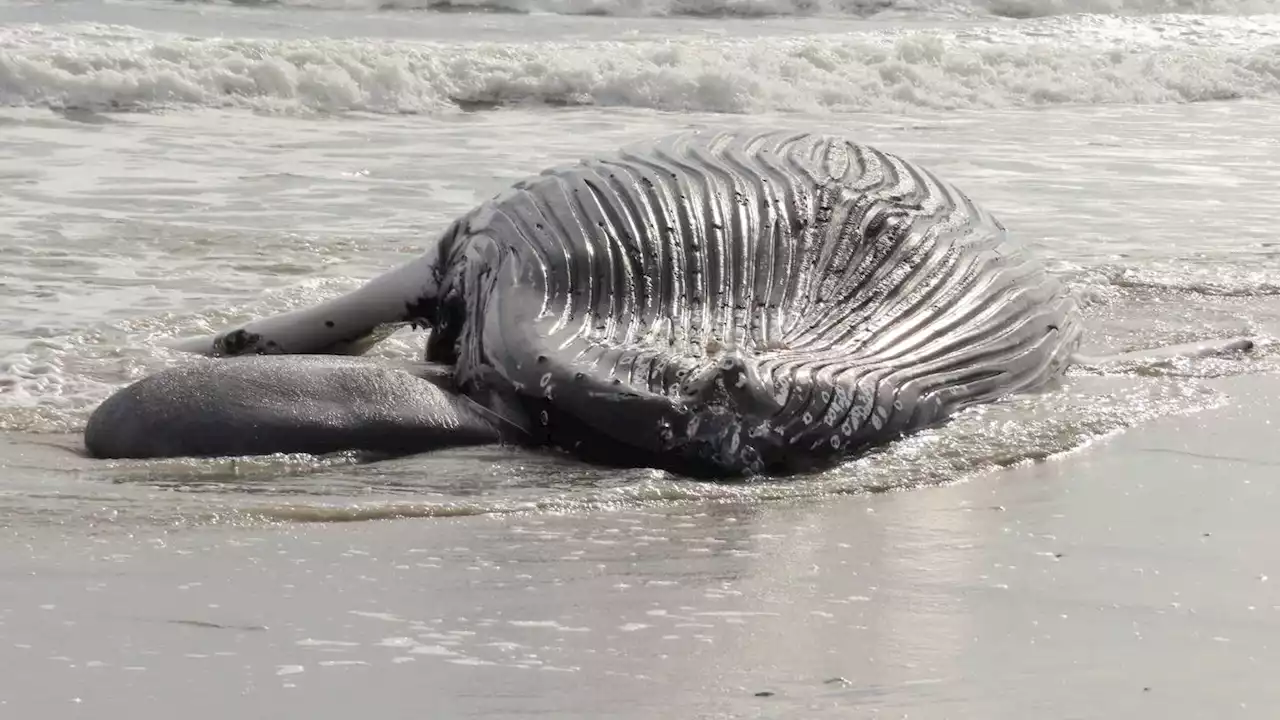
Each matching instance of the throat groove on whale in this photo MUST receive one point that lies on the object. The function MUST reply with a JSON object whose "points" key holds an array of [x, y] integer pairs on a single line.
{"points": [[744, 303], [717, 304]]}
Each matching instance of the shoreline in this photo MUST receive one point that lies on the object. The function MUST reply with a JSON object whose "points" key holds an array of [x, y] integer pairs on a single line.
{"points": [[1133, 576]]}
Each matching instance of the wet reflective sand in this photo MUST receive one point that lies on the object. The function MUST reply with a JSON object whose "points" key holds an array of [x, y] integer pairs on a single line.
{"points": [[1135, 577]]}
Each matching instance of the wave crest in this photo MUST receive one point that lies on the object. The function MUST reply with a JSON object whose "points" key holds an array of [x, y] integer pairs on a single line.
{"points": [[792, 8], [108, 68]]}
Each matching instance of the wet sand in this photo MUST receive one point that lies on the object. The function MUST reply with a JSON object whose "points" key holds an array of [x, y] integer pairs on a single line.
{"points": [[1136, 577]]}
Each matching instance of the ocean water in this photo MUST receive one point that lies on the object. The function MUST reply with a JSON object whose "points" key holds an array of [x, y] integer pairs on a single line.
{"points": [[171, 167]]}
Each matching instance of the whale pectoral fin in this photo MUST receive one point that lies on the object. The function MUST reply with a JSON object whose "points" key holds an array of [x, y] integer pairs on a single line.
{"points": [[1201, 348], [287, 334], [350, 324], [260, 405]]}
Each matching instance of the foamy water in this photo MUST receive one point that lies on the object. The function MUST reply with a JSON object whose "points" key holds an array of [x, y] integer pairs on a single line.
{"points": [[676, 66], [172, 168]]}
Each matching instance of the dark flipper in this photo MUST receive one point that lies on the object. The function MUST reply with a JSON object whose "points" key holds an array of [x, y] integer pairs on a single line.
{"points": [[346, 325], [298, 403]]}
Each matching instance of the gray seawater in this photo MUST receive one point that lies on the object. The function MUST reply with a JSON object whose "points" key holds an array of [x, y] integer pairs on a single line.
{"points": [[125, 230], [169, 168]]}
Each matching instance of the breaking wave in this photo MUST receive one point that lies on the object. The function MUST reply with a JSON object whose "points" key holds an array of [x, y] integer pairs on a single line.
{"points": [[799, 8], [1095, 61]]}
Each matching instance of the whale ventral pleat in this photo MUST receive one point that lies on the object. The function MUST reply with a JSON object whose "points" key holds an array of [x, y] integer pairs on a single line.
{"points": [[717, 304], [742, 302]]}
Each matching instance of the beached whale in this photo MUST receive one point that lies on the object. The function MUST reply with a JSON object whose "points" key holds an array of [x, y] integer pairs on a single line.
{"points": [[716, 304]]}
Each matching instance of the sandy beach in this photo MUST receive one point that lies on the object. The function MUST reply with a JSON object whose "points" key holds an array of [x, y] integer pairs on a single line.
{"points": [[1135, 577]]}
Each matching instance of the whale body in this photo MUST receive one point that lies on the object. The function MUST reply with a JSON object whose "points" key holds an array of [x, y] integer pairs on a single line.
{"points": [[718, 304]]}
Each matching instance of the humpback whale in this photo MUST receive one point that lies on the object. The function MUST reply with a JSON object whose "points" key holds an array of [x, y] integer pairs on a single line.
{"points": [[716, 304]]}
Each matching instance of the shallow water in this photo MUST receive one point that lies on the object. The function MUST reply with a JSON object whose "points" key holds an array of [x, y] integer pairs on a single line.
{"points": [[173, 168], [178, 228]]}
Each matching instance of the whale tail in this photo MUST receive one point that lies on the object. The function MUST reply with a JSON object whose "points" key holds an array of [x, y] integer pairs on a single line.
{"points": [[1198, 349]]}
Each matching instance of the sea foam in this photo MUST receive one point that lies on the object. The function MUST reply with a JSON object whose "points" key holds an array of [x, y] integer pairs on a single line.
{"points": [[1106, 60], [783, 8]]}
